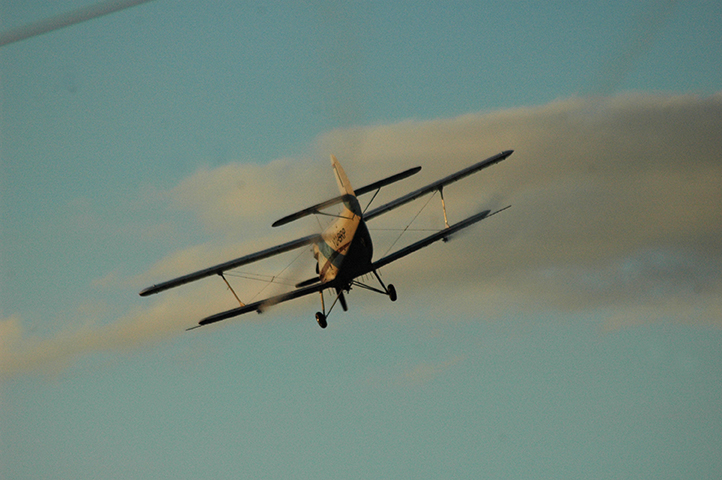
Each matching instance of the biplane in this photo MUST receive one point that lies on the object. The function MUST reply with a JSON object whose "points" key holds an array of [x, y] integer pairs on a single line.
{"points": [[344, 250]]}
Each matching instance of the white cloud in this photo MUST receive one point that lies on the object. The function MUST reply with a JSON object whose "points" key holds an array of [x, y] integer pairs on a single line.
{"points": [[242, 197], [22, 352]]}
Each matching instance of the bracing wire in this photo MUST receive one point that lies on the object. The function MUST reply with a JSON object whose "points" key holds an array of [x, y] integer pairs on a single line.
{"points": [[260, 277], [281, 272], [319, 222], [407, 226], [372, 200], [278, 279]]}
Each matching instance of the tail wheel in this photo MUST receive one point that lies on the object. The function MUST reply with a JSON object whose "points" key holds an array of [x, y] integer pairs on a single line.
{"points": [[321, 319], [392, 292]]}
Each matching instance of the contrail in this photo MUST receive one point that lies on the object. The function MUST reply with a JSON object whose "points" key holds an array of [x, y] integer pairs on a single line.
{"points": [[66, 19]]}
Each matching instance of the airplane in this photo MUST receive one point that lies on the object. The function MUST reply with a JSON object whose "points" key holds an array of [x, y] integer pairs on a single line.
{"points": [[344, 250]]}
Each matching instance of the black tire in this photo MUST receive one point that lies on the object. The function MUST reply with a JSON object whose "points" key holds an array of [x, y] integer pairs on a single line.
{"points": [[321, 320], [392, 292]]}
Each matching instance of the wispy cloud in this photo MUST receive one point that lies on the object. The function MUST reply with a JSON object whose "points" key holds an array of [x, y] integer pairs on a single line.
{"points": [[23, 352], [425, 372], [248, 196], [405, 374]]}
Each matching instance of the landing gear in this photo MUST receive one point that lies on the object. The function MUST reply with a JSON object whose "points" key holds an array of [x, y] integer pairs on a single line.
{"points": [[392, 292], [389, 291], [321, 316], [321, 319], [342, 300]]}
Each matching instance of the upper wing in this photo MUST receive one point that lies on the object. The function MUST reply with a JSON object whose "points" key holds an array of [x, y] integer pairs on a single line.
{"points": [[215, 270], [261, 304], [437, 185], [441, 235], [360, 191]]}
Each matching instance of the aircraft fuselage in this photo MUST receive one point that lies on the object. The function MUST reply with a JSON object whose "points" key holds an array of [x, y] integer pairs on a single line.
{"points": [[347, 248]]}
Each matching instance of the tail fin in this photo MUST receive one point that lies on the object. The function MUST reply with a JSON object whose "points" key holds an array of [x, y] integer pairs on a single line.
{"points": [[344, 186]]}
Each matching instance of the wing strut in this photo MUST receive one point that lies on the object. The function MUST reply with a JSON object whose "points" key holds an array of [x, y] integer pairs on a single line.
{"points": [[220, 274], [443, 206]]}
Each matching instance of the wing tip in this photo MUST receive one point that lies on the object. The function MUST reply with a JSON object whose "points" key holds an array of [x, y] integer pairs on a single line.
{"points": [[147, 291]]}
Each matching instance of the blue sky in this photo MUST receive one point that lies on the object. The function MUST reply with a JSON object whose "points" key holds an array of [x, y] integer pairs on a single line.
{"points": [[575, 335]]}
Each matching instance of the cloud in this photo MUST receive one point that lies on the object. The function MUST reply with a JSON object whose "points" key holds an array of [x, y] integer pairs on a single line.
{"points": [[247, 197], [615, 204], [425, 372], [407, 374], [22, 352], [616, 208]]}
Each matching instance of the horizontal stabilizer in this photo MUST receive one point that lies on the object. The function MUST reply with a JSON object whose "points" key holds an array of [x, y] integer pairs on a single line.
{"points": [[437, 185], [387, 181], [336, 200], [310, 210], [220, 268]]}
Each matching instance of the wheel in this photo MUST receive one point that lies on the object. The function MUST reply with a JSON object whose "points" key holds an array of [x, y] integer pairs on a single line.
{"points": [[392, 292], [321, 319], [342, 300]]}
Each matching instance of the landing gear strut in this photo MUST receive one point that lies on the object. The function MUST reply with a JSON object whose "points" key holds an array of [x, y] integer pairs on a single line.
{"points": [[321, 316], [389, 291]]}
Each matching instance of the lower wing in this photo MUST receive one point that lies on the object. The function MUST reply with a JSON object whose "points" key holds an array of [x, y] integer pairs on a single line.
{"points": [[440, 235], [262, 304]]}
